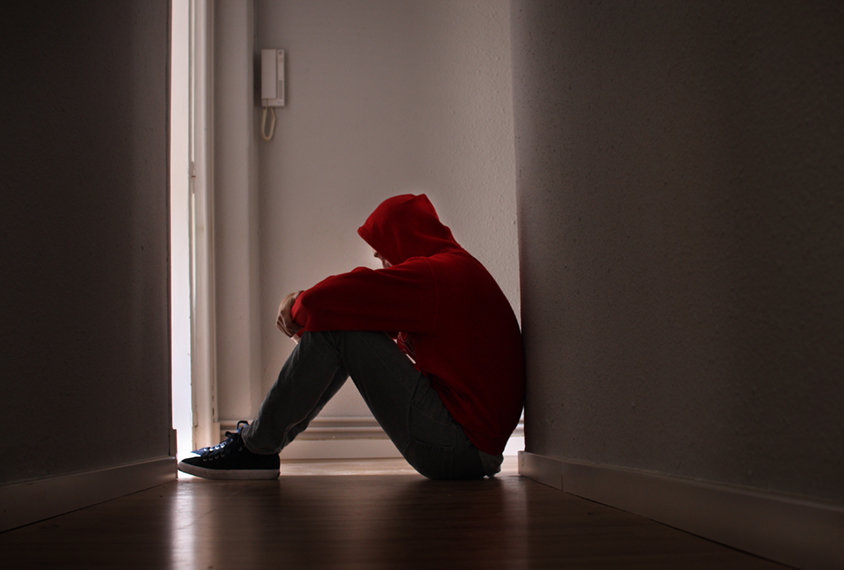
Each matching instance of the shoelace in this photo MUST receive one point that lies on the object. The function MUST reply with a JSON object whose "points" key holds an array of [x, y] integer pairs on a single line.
{"points": [[230, 437]]}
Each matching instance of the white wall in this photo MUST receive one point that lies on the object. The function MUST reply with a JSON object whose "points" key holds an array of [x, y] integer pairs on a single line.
{"points": [[236, 224], [383, 97]]}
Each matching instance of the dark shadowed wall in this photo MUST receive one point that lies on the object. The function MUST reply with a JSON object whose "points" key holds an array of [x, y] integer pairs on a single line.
{"points": [[84, 342], [681, 212]]}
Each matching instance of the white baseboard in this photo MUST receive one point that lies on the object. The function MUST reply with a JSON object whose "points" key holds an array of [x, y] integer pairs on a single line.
{"points": [[789, 530], [39, 499], [340, 449], [351, 438]]}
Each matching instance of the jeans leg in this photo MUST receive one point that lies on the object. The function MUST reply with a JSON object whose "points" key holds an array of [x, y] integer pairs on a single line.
{"points": [[309, 378], [399, 396], [407, 407]]}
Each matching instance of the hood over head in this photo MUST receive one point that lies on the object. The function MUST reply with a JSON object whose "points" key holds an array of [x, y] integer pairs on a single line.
{"points": [[406, 226]]}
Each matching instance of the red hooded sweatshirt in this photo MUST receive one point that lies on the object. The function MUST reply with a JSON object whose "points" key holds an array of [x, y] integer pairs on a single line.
{"points": [[443, 307]]}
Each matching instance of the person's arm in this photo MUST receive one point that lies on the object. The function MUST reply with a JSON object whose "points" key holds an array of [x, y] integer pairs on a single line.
{"points": [[400, 298]]}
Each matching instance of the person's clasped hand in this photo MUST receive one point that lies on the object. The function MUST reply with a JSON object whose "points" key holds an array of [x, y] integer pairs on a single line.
{"points": [[285, 322]]}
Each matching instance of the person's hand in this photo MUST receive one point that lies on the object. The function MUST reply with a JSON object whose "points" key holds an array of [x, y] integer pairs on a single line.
{"points": [[285, 322]]}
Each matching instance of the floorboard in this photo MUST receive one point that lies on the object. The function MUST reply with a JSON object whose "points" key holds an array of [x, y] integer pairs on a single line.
{"points": [[359, 515]]}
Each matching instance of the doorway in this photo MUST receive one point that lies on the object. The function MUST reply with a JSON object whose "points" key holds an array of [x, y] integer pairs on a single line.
{"points": [[180, 243]]}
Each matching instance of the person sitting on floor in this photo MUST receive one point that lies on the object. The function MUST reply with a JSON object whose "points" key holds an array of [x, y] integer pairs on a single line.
{"points": [[429, 340]]}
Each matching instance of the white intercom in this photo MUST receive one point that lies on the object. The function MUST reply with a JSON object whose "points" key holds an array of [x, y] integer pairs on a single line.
{"points": [[272, 77], [272, 86]]}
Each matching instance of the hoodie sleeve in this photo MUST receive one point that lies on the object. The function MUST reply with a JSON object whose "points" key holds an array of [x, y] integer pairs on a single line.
{"points": [[399, 298]]}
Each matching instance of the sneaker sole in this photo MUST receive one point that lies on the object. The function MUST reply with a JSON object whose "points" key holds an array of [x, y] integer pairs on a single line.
{"points": [[229, 474]]}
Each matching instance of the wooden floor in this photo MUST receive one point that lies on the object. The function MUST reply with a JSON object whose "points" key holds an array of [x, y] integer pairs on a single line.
{"points": [[359, 515]]}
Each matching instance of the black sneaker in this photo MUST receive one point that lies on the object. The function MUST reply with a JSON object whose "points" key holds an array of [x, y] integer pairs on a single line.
{"points": [[231, 459], [240, 425]]}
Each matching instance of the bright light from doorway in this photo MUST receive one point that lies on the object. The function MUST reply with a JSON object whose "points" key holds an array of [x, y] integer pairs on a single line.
{"points": [[180, 287]]}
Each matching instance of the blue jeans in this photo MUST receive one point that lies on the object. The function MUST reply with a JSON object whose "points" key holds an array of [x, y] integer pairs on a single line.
{"points": [[399, 396]]}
